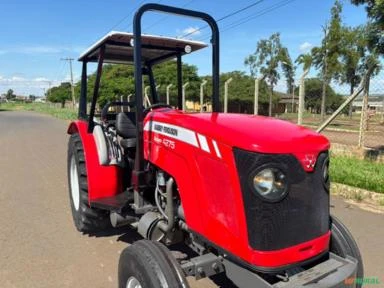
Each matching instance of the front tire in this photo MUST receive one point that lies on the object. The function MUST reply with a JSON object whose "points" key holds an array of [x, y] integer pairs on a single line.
{"points": [[149, 264], [86, 219], [343, 244]]}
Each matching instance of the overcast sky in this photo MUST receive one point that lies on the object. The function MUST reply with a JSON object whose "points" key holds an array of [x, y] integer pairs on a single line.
{"points": [[36, 34]]}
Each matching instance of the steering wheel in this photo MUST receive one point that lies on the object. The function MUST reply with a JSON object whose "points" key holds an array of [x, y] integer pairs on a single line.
{"points": [[155, 106], [105, 109]]}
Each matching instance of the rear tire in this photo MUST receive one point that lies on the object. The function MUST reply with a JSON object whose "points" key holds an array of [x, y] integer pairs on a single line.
{"points": [[86, 219], [343, 244], [149, 264]]}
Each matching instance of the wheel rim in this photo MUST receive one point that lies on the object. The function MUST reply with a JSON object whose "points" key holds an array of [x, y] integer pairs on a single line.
{"points": [[75, 190], [133, 283]]}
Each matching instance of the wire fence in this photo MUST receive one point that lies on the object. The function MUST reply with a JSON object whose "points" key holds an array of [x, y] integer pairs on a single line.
{"points": [[361, 125]]}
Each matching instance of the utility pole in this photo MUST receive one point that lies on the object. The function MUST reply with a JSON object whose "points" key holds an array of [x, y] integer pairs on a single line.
{"points": [[72, 87]]}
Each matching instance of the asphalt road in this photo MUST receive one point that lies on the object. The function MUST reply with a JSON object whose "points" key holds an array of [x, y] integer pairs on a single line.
{"points": [[39, 246]]}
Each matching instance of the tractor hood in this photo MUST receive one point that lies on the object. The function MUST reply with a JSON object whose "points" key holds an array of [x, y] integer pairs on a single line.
{"points": [[248, 132]]}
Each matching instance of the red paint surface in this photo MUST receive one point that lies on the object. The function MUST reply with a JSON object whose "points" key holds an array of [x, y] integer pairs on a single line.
{"points": [[209, 186], [103, 181]]}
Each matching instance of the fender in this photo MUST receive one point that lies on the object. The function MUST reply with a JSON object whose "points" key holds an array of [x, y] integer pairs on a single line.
{"points": [[103, 181]]}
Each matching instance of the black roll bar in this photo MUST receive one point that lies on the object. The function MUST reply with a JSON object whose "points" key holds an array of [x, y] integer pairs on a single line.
{"points": [[138, 172]]}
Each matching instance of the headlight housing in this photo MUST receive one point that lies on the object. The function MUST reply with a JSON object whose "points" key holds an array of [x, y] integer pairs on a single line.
{"points": [[271, 184]]}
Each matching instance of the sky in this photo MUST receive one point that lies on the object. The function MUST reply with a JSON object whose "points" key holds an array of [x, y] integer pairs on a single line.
{"points": [[36, 35]]}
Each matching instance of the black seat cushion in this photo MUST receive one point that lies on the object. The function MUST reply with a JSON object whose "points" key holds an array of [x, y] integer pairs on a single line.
{"points": [[125, 126]]}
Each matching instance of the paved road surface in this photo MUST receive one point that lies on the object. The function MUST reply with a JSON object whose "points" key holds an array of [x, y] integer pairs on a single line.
{"points": [[39, 246]]}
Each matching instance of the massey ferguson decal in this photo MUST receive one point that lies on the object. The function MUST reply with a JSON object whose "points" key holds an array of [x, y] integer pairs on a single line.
{"points": [[165, 129], [183, 135]]}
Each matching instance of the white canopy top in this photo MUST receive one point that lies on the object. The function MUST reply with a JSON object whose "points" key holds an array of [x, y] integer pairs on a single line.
{"points": [[119, 49]]}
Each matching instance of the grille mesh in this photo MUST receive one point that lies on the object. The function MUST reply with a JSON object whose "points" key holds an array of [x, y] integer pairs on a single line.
{"points": [[301, 216]]}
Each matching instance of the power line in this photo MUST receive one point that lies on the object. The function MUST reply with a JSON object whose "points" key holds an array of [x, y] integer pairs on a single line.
{"points": [[165, 17], [126, 17], [253, 16], [225, 17], [131, 24], [261, 13]]}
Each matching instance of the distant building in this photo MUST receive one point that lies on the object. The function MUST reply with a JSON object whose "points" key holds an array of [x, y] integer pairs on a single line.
{"points": [[374, 103]]}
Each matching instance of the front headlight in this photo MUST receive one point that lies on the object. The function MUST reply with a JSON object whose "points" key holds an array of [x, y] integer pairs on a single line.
{"points": [[270, 184]]}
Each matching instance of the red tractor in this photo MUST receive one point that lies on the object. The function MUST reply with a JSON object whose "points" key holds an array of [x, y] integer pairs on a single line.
{"points": [[248, 194]]}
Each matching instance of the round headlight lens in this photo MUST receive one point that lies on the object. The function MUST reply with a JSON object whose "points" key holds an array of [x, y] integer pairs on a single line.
{"points": [[271, 184]]}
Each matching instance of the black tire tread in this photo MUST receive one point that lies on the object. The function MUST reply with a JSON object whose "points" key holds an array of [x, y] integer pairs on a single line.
{"points": [[152, 263], [343, 244], [87, 219]]}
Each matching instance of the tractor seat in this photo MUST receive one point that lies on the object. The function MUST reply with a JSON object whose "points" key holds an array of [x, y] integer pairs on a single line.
{"points": [[126, 129]]}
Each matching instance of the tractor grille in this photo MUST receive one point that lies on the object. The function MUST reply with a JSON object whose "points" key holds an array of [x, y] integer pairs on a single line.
{"points": [[301, 216]]}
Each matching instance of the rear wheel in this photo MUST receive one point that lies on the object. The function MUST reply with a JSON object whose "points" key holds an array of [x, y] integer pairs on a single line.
{"points": [[149, 264], [343, 244], [86, 219]]}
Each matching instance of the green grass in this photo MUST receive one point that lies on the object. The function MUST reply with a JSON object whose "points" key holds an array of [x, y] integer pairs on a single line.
{"points": [[363, 174], [44, 108]]}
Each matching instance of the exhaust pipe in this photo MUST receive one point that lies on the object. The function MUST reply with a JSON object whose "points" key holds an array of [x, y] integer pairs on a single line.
{"points": [[169, 210]]}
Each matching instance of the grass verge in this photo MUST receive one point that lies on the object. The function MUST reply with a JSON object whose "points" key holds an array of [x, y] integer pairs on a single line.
{"points": [[359, 173], [45, 108]]}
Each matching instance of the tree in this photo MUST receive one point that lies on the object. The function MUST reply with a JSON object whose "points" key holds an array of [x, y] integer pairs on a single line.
{"points": [[313, 89], [60, 93], [10, 95], [269, 55], [353, 51], [375, 11], [326, 57], [118, 80], [305, 60]]}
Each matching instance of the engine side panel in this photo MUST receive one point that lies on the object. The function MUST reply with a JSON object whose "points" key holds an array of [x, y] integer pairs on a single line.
{"points": [[103, 181], [205, 171]]}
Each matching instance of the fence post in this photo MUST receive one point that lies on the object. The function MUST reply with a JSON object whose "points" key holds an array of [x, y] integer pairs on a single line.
{"points": [[226, 94], [202, 94], [256, 101], [146, 98], [382, 112], [364, 114], [183, 100], [168, 89], [301, 98], [128, 100]]}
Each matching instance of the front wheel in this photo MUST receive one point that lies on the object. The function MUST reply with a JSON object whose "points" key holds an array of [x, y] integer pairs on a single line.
{"points": [[149, 264], [343, 245]]}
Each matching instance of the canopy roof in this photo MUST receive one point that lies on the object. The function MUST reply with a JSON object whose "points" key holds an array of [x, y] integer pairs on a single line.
{"points": [[155, 49]]}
